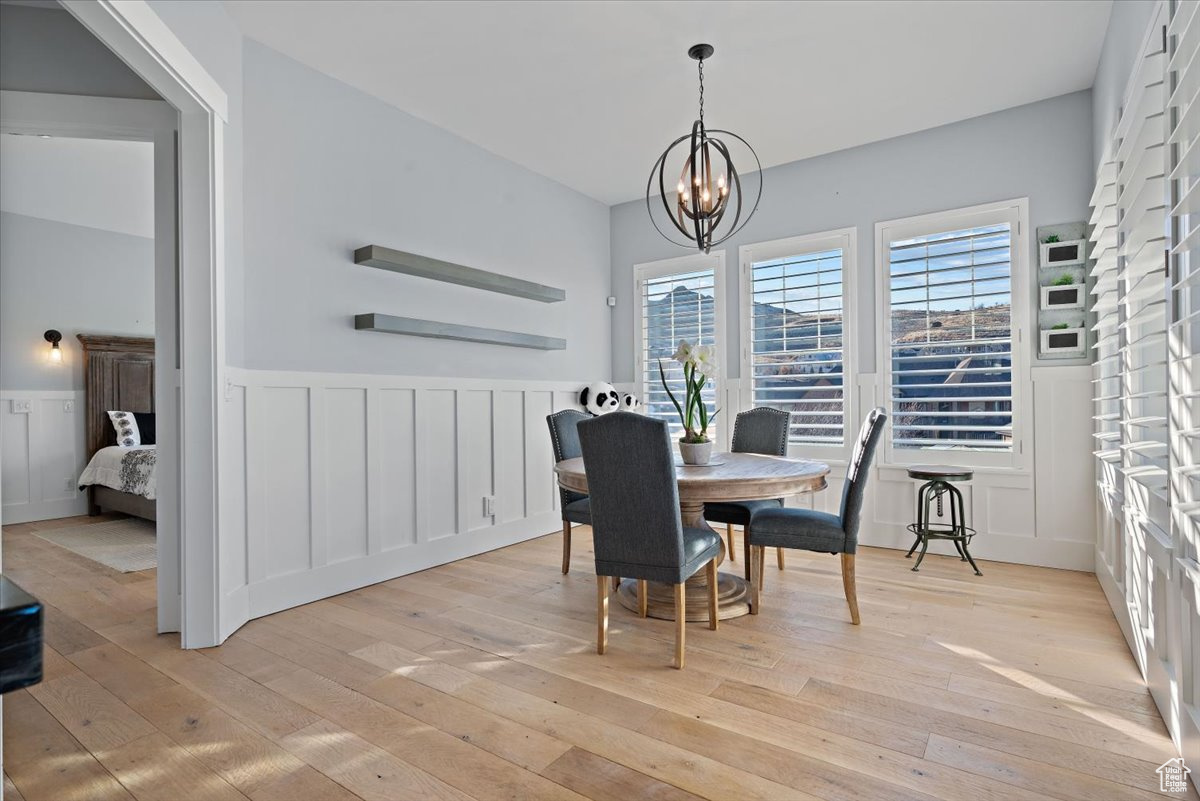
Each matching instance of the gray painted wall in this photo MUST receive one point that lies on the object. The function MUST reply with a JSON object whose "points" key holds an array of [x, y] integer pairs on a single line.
{"points": [[47, 50], [1126, 32], [329, 168], [75, 279], [1041, 151]]}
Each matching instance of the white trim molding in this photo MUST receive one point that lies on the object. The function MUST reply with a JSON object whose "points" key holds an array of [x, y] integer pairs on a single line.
{"points": [[135, 33]]}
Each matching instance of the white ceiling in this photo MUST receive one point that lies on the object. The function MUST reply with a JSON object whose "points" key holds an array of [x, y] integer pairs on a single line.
{"points": [[98, 183], [589, 93]]}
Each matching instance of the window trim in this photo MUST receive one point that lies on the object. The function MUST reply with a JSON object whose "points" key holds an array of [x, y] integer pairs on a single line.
{"points": [[693, 262], [1016, 213], [845, 239]]}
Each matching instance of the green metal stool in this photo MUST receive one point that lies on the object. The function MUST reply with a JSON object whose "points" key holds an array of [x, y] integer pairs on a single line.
{"points": [[938, 484]]}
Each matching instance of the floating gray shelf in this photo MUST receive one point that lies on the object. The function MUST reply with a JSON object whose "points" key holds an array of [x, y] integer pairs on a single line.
{"points": [[432, 329], [411, 264]]}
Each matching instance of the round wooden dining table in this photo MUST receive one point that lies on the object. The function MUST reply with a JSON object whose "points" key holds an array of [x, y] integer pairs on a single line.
{"points": [[728, 477]]}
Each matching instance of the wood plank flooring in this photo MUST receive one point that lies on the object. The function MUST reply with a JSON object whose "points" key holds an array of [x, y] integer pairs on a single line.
{"points": [[479, 680]]}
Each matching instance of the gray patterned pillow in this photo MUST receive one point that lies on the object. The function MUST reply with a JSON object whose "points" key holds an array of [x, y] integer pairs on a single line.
{"points": [[125, 424]]}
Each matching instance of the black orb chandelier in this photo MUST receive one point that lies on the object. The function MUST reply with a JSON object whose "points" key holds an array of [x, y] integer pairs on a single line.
{"points": [[706, 206]]}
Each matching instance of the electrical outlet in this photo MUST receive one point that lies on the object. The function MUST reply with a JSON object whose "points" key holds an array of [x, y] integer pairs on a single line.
{"points": [[489, 506], [68, 407], [22, 407]]}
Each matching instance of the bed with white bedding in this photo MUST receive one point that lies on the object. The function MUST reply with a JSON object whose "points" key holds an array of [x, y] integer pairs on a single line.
{"points": [[120, 433], [128, 470]]}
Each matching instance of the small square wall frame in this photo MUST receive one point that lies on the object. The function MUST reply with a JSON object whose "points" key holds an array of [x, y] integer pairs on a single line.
{"points": [[398, 261], [408, 326]]}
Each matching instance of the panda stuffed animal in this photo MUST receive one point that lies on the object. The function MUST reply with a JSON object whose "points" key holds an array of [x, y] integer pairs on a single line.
{"points": [[601, 398]]}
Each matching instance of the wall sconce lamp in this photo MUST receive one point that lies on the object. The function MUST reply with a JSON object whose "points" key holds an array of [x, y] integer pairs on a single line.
{"points": [[55, 356]]}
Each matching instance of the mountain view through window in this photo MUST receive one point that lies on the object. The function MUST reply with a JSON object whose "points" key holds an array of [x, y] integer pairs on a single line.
{"points": [[796, 347], [675, 307], [951, 339]]}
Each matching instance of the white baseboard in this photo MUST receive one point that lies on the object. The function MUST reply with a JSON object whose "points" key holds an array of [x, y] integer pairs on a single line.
{"points": [[46, 510], [284, 592]]}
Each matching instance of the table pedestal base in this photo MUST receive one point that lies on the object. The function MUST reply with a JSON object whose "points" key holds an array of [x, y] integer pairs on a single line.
{"points": [[733, 592], [733, 597]]}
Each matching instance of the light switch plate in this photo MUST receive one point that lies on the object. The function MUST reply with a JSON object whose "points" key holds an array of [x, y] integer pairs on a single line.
{"points": [[22, 406]]}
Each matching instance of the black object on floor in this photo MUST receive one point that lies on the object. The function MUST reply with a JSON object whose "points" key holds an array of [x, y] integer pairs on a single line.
{"points": [[20, 637]]}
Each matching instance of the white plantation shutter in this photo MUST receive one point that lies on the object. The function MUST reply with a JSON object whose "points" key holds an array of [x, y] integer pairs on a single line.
{"points": [[1106, 371], [676, 306], [1142, 298], [1183, 142], [950, 339], [1177, 636], [1144, 244], [797, 345]]}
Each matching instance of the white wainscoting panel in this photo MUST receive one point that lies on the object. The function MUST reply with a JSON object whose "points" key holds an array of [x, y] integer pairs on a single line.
{"points": [[1038, 517], [348, 480], [41, 455], [1041, 517]]}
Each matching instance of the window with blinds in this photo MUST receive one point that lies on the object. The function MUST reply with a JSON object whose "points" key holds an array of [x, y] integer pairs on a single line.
{"points": [[674, 306], [796, 346], [950, 303]]}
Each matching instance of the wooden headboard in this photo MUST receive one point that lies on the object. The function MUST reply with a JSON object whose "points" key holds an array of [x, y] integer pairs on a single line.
{"points": [[118, 373]]}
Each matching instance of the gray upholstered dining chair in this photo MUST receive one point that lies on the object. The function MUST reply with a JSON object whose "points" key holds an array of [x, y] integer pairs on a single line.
{"points": [[637, 531], [576, 508], [763, 430], [810, 530]]}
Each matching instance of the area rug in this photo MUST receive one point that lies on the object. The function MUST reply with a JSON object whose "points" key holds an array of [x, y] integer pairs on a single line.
{"points": [[125, 545]]}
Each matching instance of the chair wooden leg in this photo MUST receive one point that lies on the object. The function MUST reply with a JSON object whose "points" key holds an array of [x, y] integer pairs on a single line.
{"points": [[601, 614], [760, 557], [755, 579], [680, 622], [848, 585], [643, 599], [712, 594], [729, 536], [746, 548], [616, 583], [779, 557], [566, 546]]}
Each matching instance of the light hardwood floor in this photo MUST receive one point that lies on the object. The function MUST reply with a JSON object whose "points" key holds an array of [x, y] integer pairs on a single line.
{"points": [[479, 679]]}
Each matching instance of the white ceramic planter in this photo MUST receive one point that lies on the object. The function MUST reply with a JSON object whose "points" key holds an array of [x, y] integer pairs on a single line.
{"points": [[1066, 341], [1070, 296], [1063, 254], [696, 452]]}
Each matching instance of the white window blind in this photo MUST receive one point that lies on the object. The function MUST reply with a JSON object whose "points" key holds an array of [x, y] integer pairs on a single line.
{"points": [[797, 345], [950, 297], [674, 307]]}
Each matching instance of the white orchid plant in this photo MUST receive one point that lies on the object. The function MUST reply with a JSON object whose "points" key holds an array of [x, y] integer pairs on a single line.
{"points": [[699, 365]]}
